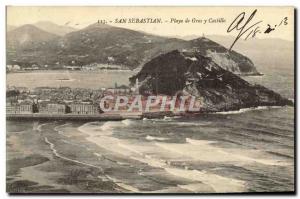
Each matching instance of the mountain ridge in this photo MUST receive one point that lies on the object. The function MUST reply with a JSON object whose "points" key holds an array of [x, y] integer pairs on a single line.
{"points": [[53, 28], [98, 43]]}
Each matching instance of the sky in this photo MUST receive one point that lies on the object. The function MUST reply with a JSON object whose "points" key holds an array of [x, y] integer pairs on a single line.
{"points": [[80, 17]]}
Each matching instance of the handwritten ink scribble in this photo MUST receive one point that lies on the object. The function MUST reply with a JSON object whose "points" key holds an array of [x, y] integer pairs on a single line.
{"points": [[269, 29], [243, 26]]}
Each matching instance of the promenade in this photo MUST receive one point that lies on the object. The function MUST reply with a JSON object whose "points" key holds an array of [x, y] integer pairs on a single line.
{"points": [[101, 117]]}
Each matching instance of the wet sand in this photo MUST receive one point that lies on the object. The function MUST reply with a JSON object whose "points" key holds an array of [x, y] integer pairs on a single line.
{"points": [[33, 168]]}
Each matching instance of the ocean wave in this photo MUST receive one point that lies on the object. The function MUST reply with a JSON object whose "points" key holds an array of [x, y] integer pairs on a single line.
{"points": [[211, 182], [197, 188], [127, 122], [149, 137], [101, 129], [162, 154], [178, 122], [203, 150], [219, 183], [196, 149], [200, 123], [165, 118], [109, 125], [38, 128], [150, 155], [93, 129], [243, 110], [199, 142], [171, 117]]}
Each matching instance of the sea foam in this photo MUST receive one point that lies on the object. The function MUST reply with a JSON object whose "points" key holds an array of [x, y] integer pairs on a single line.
{"points": [[243, 110], [163, 157], [149, 137]]}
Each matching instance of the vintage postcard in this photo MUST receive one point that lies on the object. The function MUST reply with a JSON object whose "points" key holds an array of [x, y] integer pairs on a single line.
{"points": [[150, 100]]}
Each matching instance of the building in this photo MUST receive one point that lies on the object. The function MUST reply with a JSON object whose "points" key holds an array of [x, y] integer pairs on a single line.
{"points": [[42, 107], [25, 107], [32, 68], [110, 59], [72, 67], [118, 90], [14, 67], [56, 108], [88, 68], [51, 108], [84, 109], [12, 109]]}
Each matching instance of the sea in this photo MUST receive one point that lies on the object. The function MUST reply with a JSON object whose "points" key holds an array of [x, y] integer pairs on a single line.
{"points": [[250, 150]]}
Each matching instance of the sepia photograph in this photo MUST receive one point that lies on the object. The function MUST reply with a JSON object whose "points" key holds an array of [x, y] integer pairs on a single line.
{"points": [[150, 100]]}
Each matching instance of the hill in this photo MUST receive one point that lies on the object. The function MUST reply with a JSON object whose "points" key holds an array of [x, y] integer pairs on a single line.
{"points": [[30, 44], [54, 28], [100, 43], [10, 28], [107, 44], [191, 73]]}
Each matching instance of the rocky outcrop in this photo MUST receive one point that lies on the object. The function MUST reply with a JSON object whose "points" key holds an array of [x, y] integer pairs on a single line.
{"points": [[228, 60], [192, 73]]}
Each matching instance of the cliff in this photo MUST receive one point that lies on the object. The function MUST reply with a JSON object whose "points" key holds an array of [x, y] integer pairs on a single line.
{"points": [[192, 73]]}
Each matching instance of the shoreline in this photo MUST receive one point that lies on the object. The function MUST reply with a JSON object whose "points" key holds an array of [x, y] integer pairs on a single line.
{"points": [[70, 71], [102, 117], [123, 116], [251, 74]]}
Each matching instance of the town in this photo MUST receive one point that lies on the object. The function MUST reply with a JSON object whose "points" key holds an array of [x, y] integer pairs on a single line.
{"points": [[62, 100], [27, 67], [120, 100]]}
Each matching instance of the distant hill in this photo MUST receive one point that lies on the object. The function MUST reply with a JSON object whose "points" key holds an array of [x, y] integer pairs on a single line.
{"points": [[103, 43], [54, 28], [29, 44], [100, 43], [27, 36], [10, 28]]}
